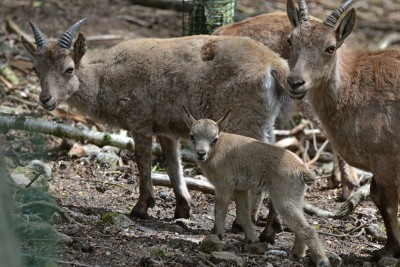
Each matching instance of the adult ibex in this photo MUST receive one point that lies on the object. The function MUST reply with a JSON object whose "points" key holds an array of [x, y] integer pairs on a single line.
{"points": [[272, 29], [236, 164], [141, 85], [356, 94]]}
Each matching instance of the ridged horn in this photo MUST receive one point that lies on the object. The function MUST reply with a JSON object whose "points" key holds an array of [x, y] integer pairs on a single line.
{"points": [[67, 37], [39, 37], [303, 11], [335, 15]]}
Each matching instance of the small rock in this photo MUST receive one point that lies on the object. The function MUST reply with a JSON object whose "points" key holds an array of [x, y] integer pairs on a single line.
{"points": [[72, 230], [257, 248], [111, 160], [226, 257], [334, 259], [367, 264], [87, 248], [37, 170], [269, 264], [110, 149], [174, 228], [211, 243], [80, 151], [122, 221], [275, 252], [387, 262], [230, 246]]}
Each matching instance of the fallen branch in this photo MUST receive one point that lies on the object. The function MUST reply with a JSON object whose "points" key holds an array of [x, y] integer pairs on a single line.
{"points": [[193, 184], [64, 131], [63, 214], [346, 208]]}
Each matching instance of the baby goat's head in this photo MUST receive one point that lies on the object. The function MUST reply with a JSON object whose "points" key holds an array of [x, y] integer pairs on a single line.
{"points": [[56, 64], [204, 133]]}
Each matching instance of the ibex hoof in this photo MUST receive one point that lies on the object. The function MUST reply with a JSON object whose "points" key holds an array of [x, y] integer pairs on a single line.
{"points": [[182, 212], [140, 209]]}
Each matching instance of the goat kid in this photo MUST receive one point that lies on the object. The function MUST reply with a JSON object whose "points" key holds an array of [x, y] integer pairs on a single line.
{"points": [[237, 164], [141, 84], [272, 29], [356, 94]]}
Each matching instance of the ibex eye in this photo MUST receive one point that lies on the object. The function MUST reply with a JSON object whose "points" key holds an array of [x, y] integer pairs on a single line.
{"points": [[35, 70], [192, 137], [330, 49], [70, 71], [215, 141], [289, 42]]}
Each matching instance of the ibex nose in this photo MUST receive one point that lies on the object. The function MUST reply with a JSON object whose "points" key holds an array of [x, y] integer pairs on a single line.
{"points": [[45, 99], [201, 154], [295, 82]]}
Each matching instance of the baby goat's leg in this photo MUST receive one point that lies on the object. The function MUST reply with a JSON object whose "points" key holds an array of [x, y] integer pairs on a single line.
{"points": [[143, 161], [292, 213], [170, 150], [243, 208], [273, 226], [222, 200]]}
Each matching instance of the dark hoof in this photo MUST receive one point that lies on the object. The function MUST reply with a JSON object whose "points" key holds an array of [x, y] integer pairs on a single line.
{"points": [[384, 252], [138, 214], [267, 236], [181, 212], [236, 227], [140, 209]]}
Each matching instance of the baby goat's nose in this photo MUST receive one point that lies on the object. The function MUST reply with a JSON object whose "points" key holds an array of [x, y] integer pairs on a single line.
{"points": [[201, 154], [295, 82]]}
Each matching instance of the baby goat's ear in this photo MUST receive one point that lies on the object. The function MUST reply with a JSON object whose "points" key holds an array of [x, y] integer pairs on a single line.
{"points": [[224, 121], [30, 47], [79, 48], [188, 118]]}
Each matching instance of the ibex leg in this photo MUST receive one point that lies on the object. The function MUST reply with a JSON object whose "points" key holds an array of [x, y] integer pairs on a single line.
{"points": [[170, 150], [146, 191], [386, 197]]}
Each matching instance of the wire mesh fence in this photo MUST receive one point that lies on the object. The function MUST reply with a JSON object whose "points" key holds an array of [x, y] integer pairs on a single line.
{"points": [[203, 16]]}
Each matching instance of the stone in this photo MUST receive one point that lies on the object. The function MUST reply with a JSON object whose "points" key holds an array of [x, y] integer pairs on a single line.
{"points": [[387, 262], [174, 228], [230, 246], [275, 252], [257, 248], [211, 243], [111, 160], [120, 221], [37, 170], [229, 258], [334, 259]]}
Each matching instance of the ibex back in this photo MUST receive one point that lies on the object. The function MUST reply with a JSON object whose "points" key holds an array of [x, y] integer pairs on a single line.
{"points": [[237, 164], [140, 85], [356, 94]]}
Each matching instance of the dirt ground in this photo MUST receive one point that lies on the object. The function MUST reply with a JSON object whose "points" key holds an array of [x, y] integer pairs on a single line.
{"points": [[75, 181]]}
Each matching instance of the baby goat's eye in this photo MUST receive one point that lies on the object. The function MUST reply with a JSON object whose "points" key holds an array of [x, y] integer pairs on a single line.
{"points": [[214, 141], [289, 42], [35, 70], [69, 71], [330, 49], [192, 137]]}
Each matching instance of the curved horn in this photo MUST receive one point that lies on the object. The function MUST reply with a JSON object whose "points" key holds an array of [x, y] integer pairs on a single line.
{"points": [[66, 39], [303, 11], [335, 15], [39, 37]]}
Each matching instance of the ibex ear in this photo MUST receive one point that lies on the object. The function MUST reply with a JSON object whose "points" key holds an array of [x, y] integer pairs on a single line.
{"points": [[292, 13], [79, 48], [188, 118], [346, 26], [224, 121], [30, 47]]}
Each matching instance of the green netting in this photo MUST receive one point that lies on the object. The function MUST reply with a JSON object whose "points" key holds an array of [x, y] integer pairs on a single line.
{"points": [[203, 16]]}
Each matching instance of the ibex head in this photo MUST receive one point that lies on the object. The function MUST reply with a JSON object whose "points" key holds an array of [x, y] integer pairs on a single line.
{"points": [[313, 46], [204, 133], [56, 64]]}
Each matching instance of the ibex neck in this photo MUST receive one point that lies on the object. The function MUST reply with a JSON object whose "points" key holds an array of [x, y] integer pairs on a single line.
{"points": [[86, 98]]}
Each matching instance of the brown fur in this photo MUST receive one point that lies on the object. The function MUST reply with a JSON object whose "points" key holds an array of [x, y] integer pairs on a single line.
{"points": [[141, 85], [237, 164], [272, 30], [356, 94]]}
